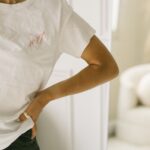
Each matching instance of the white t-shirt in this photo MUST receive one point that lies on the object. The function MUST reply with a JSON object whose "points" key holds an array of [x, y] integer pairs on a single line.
{"points": [[33, 34]]}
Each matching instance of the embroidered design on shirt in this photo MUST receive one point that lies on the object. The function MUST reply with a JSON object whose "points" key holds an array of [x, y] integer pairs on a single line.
{"points": [[37, 39]]}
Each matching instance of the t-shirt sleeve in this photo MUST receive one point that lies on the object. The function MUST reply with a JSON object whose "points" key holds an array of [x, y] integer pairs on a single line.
{"points": [[74, 33]]}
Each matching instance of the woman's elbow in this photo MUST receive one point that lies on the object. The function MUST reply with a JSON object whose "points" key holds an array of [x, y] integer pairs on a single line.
{"points": [[114, 69], [111, 68]]}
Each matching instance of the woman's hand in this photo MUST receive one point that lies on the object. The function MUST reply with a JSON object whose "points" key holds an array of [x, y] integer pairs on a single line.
{"points": [[33, 110]]}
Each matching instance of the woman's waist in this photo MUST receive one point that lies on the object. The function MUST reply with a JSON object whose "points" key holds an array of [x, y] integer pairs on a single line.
{"points": [[11, 114], [13, 127]]}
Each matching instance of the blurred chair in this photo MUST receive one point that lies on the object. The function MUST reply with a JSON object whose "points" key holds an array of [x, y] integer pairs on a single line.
{"points": [[133, 118]]}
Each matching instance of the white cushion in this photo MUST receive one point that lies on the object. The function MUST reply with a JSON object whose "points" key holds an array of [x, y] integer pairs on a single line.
{"points": [[133, 134], [138, 115], [143, 89], [134, 126]]}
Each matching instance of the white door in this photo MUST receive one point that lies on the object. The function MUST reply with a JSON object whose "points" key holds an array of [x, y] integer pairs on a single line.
{"points": [[78, 122]]}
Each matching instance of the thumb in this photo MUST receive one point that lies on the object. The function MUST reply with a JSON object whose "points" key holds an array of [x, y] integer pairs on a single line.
{"points": [[34, 131]]}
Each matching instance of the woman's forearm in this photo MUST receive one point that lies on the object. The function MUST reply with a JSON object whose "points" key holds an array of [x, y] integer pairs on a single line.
{"points": [[87, 78]]}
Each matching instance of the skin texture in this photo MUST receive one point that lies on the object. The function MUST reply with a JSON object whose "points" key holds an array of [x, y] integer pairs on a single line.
{"points": [[8, 1], [11, 1], [101, 67]]}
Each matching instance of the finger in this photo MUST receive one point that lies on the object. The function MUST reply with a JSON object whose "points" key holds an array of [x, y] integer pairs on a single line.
{"points": [[34, 131]]}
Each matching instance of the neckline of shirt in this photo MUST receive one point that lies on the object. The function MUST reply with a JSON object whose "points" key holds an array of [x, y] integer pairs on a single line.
{"points": [[19, 5]]}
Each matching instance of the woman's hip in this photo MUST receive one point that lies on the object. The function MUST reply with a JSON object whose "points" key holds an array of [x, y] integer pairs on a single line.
{"points": [[24, 142]]}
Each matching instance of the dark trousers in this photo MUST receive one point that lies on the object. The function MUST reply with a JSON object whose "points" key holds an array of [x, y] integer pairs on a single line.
{"points": [[24, 142]]}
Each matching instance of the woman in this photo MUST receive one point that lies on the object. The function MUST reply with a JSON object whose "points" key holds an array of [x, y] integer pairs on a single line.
{"points": [[33, 34]]}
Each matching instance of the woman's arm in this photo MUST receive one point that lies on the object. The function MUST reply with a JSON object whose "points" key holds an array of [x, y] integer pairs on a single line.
{"points": [[101, 68]]}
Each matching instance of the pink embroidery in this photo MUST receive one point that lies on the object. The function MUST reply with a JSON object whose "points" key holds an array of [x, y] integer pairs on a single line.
{"points": [[37, 39]]}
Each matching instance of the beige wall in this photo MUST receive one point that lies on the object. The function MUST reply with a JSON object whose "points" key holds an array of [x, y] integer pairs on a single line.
{"points": [[128, 42]]}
